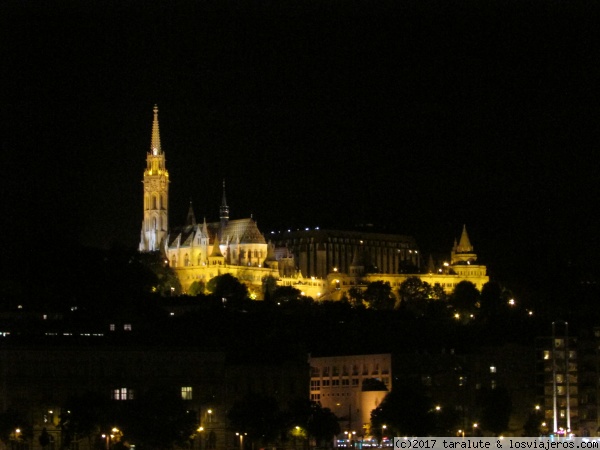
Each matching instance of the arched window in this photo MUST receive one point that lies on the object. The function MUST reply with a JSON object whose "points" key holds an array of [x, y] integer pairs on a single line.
{"points": [[164, 201], [154, 227], [154, 201], [186, 260], [173, 261]]}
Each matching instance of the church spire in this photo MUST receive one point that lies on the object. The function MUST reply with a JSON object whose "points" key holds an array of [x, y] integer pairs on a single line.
{"points": [[155, 143], [191, 218], [224, 209], [223, 213]]}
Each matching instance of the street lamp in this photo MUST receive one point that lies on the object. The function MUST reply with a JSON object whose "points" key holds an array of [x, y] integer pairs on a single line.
{"points": [[383, 427], [241, 435], [475, 425]]}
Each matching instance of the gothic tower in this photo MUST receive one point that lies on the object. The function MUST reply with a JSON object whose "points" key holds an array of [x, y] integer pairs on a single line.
{"points": [[156, 194]]}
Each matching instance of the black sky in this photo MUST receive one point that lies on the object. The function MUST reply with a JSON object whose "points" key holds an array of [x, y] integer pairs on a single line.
{"points": [[415, 116]]}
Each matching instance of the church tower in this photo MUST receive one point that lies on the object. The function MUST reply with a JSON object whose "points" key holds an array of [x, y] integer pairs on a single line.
{"points": [[156, 194], [463, 251]]}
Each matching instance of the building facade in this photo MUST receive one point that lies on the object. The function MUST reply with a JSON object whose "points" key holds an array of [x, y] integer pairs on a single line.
{"points": [[344, 384], [322, 264]]}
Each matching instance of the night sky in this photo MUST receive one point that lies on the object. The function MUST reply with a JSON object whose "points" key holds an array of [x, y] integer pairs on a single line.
{"points": [[414, 116]]}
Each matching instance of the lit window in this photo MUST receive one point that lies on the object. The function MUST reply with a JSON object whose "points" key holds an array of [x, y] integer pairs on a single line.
{"points": [[112, 327], [127, 327], [186, 393], [492, 369], [122, 394], [546, 354]]}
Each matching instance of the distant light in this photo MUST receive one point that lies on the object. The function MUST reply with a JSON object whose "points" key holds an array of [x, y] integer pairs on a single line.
{"points": [[306, 229], [512, 302], [316, 228]]}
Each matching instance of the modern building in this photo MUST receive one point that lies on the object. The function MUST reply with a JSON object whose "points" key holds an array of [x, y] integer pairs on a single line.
{"points": [[557, 380], [323, 264], [351, 387]]}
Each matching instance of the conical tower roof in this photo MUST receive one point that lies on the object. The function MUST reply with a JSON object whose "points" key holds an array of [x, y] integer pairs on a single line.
{"points": [[155, 147], [464, 245], [216, 251]]}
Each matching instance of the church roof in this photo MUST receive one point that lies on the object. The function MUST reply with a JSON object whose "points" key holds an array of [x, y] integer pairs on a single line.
{"points": [[244, 230]]}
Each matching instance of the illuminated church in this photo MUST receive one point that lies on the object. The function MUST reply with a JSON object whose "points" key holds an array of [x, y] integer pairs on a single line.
{"points": [[323, 264]]}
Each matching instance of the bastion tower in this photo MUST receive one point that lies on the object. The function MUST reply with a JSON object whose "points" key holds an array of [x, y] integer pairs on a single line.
{"points": [[156, 195]]}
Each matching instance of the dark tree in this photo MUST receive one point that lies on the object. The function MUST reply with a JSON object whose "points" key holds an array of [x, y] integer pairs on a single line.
{"points": [[320, 423], [166, 283], [496, 406], [196, 289], [413, 289], [492, 302], [269, 284], [286, 294], [228, 287], [378, 295], [44, 438], [406, 411], [355, 297], [258, 416], [465, 297]]}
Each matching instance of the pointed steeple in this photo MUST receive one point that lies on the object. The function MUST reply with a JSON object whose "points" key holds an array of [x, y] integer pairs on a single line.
{"points": [[223, 213], [155, 148], [224, 209], [191, 218], [216, 250], [464, 245], [462, 253]]}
